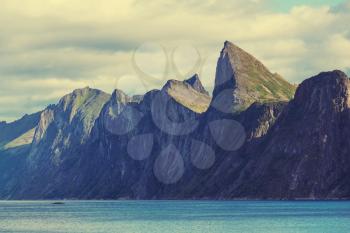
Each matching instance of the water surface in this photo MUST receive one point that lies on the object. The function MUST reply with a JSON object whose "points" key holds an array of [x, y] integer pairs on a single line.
{"points": [[175, 216]]}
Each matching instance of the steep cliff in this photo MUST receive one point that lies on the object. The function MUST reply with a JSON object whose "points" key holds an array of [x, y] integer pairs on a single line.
{"points": [[306, 153], [61, 131]]}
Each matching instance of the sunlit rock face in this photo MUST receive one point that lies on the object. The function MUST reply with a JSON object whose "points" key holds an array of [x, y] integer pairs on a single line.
{"points": [[247, 141], [189, 93], [9, 132], [67, 124], [62, 129]]}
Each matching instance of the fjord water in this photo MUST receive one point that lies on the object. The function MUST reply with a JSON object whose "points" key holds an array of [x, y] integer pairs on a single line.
{"points": [[175, 216]]}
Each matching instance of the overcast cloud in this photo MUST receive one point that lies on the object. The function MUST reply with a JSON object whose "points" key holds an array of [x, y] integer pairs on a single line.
{"points": [[50, 47]]}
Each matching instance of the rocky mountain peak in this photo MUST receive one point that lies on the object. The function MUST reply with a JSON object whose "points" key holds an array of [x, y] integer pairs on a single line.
{"points": [[74, 114], [119, 96], [80, 100], [241, 80], [196, 84], [190, 93], [325, 92]]}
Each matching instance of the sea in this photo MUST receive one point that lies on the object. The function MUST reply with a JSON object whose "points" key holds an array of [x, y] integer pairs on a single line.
{"points": [[175, 216]]}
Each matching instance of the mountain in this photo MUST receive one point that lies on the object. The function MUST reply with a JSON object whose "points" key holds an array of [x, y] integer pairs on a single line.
{"points": [[250, 140], [189, 93], [306, 153], [127, 130], [196, 84], [19, 132], [15, 141], [242, 80], [67, 124]]}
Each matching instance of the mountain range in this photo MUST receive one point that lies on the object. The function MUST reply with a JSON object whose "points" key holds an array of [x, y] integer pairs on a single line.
{"points": [[256, 137]]}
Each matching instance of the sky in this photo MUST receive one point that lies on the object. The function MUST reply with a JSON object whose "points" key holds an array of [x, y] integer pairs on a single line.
{"points": [[48, 48]]}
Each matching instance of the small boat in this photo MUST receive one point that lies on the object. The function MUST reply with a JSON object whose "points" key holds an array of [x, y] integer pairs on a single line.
{"points": [[58, 203]]}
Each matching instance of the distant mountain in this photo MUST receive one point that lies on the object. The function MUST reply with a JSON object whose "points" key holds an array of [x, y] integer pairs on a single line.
{"points": [[19, 132], [250, 140]]}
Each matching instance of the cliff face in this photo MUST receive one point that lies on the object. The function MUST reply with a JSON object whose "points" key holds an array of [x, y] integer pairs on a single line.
{"points": [[62, 129], [248, 141], [67, 124], [306, 153]]}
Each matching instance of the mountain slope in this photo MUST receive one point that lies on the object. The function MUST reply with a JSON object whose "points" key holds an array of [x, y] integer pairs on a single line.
{"points": [[13, 130], [24, 139]]}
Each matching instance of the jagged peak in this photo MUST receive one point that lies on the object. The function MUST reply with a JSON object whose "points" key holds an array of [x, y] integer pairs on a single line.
{"points": [[325, 92], [86, 90], [192, 82], [230, 45], [80, 93], [196, 84], [332, 74], [80, 100], [187, 95], [193, 79], [321, 79], [80, 90], [173, 83], [169, 83], [119, 95], [240, 57], [137, 98], [241, 80]]}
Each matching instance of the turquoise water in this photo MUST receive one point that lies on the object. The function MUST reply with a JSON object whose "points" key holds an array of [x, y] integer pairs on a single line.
{"points": [[175, 216]]}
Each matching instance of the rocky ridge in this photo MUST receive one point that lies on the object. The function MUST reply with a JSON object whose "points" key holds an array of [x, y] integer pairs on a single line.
{"points": [[249, 141]]}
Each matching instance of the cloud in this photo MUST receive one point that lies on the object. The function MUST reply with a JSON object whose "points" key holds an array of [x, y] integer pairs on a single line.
{"points": [[50, 47], [343, 7]]}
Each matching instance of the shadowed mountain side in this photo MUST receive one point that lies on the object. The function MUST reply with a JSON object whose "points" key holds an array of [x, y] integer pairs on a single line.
{"points": [[306, 152]]}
